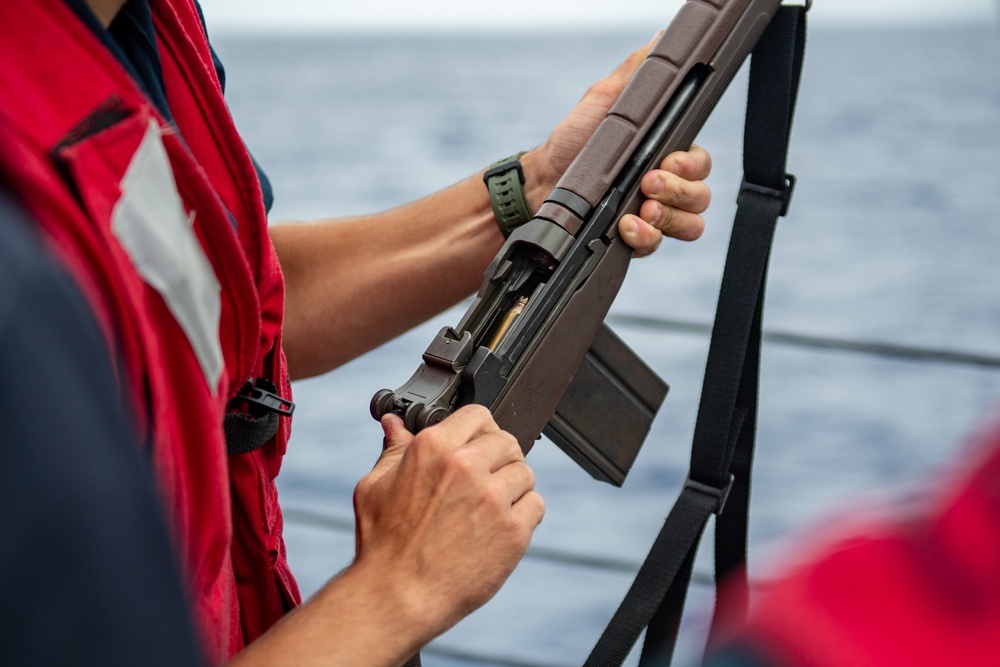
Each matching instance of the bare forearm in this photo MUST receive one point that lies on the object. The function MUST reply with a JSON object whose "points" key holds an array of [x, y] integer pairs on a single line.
{"points": [[355, 283], [356, 619]]}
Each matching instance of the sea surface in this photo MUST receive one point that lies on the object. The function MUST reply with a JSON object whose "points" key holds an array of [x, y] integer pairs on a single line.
{"points": [[893, 237]]}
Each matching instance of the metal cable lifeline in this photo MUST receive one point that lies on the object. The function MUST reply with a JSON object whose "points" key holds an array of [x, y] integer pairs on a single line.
{"points": [[888, 350], [468, 657], [306, 517]]}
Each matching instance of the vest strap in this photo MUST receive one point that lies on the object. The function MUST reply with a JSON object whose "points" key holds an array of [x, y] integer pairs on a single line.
{"points": [[250, 430]]}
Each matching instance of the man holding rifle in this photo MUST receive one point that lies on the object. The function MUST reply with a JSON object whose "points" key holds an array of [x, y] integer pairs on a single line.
{"points": [[115, 138]]}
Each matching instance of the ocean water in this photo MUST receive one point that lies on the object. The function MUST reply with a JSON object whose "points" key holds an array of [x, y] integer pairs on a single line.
{"points": [[894, 237]]}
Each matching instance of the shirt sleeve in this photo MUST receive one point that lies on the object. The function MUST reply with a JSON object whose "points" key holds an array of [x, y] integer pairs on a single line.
{"points": [[87, 570]]}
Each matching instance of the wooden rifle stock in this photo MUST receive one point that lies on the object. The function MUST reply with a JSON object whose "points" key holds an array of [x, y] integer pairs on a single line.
{"points": [[553, 365]]}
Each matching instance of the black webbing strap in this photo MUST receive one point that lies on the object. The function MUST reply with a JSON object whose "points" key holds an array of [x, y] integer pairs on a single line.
{"points": [[249, 430], [414, 661], [766, 192], [722, 452]]}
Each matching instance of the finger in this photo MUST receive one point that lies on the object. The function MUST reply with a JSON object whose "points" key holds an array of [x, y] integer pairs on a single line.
{"points": [[641, 236], [497, 449], [623, 73], [516, 479], [673, 222], [694, 164], [397, 440], [464, 425], [672, 190], [396, 435], [529, 509]]}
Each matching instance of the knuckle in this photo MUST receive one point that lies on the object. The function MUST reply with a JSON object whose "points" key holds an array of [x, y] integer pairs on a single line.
{"points": [[459, 464], [524, 526], [521, 532], [537, 503], [529, 477], [424, 444], [677, 191], [668, 219], [510, 442], [492, 497], [479, 412], [605, 89], [597, 88], [363, 489]]}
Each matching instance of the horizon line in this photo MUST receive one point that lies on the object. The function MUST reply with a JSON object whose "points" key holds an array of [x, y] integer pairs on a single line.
{"points": [[291, 27]]}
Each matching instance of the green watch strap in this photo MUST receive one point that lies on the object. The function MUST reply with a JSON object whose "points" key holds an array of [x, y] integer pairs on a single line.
{"points": [[505, 181]]}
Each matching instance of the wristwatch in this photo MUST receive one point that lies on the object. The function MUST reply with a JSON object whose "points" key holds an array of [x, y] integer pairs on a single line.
{"points": [[505, 181]]}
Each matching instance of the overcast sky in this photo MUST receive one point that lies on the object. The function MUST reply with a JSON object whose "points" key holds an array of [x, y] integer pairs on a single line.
{"points": [[423, 14]]}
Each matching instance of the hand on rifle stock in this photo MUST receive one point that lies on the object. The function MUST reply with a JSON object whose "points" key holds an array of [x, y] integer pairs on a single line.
{"points": [[676, 192]]}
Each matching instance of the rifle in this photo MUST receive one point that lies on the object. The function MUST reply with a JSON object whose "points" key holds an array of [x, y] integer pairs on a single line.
{"points": [[532, 346]]}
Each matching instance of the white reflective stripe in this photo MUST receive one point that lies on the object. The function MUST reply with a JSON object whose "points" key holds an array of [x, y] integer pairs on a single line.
{"points": [[150, 223]]}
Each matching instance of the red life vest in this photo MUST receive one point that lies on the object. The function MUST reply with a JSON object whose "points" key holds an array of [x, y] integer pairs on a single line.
{"points": [[919, 592], [191, 307]]}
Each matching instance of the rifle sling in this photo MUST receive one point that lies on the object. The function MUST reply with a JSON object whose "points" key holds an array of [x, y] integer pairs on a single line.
{"points": [[722, 451]]}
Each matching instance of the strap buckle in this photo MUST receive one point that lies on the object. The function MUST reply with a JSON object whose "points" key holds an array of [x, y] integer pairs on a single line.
{"points": [[806, 5], [784, 195], [261, 399], [720, 495]]}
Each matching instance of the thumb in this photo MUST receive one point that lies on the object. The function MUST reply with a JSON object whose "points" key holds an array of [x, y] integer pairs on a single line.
{"points": [[397, 440]]}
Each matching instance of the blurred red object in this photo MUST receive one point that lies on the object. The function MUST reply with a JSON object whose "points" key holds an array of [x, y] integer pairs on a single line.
{"points": [[922, 590]]}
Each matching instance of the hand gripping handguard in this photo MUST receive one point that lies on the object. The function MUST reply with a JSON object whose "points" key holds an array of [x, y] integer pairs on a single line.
{"points": [[532, 346]]}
